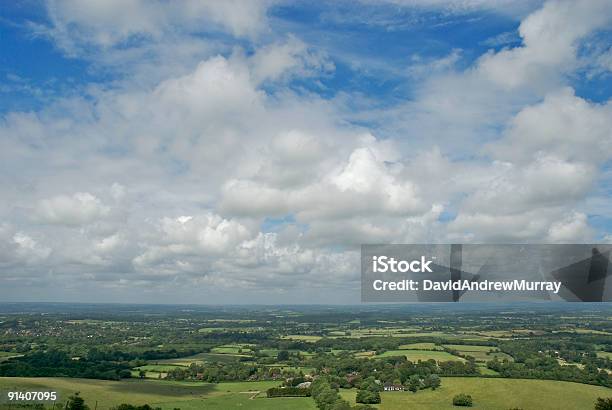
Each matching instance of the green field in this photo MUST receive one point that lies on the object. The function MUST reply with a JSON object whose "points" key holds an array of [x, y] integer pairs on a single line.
{"points": [[199, 358], [304, 338], [339, 333], [232, 349], [269, 352], [486, 371], [367, 354], [7, 355], [484, 357], [482, 354], [154, 371], [408, 332], [212, 329], [592, 331], [419, 346], [497, 334], [495, 394], [470, 348], [605, 355], [416, 355], [165, 394]]}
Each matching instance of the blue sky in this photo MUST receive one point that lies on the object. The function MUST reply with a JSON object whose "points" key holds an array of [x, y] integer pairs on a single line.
{"points": [[240, 151], [367, 50]]}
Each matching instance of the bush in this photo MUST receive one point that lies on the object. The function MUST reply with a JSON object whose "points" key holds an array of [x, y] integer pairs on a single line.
{"points": [[76, 402], [288, 392], [125, 374], [463, 400], [603, 404], [125, 406], [282, 355]]}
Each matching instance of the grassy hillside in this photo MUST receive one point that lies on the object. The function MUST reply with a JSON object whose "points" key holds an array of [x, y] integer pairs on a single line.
{"points": [[165, 394], [496, 394], [490, 394]]}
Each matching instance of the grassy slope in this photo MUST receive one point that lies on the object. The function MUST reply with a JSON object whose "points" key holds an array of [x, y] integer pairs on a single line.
{"points": [[496, 394], [242, 400], [112, 393], [490, 394]]}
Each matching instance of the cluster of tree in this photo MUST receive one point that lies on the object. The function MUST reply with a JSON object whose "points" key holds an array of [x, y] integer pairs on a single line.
{"points": [[546, 367], [385, 369], [580, 349], [98, 355], [456, 368], [282, 356], [586, 358], [232, 371], [288, 392], [369, 391], [463, 400], [327, 398], [94, 364], [431, 381], [55, 363]]}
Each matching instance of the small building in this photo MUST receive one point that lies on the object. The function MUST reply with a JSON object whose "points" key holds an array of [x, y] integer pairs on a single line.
{"points": [[304, 385], [393, 387]]}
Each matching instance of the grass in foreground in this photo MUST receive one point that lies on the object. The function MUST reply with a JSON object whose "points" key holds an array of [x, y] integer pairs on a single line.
{"points": [[112, 393], [495, 394], [242, 400]]}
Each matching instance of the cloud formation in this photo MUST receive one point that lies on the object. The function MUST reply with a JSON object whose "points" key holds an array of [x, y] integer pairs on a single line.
{"points": [[233, 174]]}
